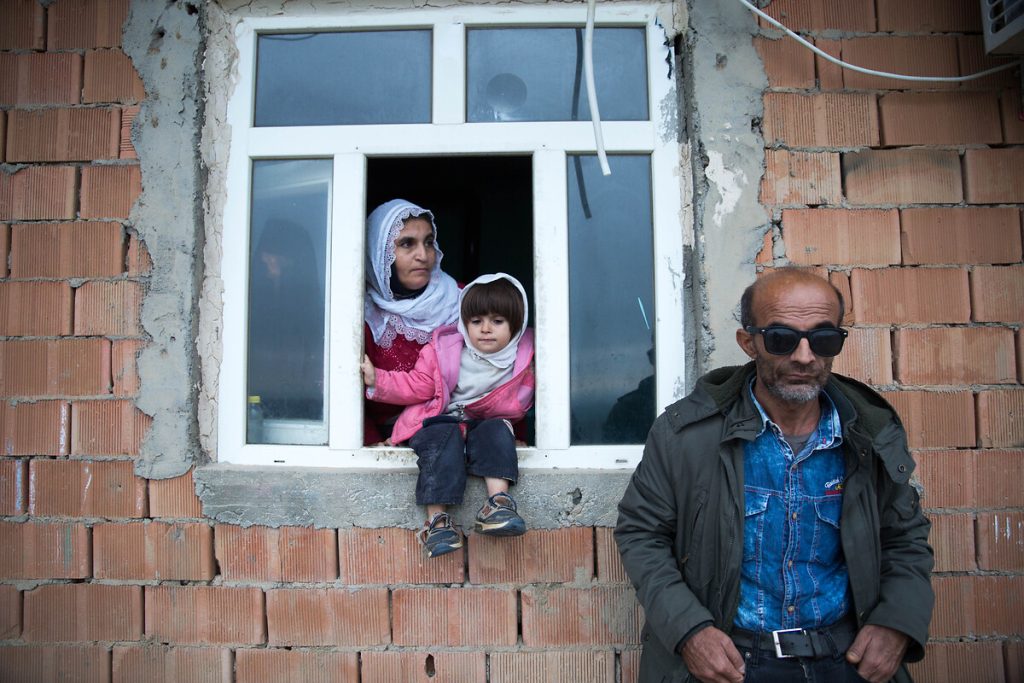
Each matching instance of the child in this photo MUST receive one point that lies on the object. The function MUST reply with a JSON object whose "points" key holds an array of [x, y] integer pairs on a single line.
{"points": [[468, 386]]}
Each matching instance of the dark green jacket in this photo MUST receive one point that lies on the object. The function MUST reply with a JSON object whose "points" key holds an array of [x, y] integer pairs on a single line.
{"points": [[680, 527]]}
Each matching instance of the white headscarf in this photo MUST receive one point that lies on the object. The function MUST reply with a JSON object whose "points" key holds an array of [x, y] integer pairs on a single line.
{"points": [[506, 356], [415, 319]]}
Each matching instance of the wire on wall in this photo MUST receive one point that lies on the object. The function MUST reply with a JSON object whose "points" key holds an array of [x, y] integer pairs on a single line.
{"points": [[588, 70]]}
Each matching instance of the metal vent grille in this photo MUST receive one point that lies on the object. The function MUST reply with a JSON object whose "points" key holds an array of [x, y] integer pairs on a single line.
{"points": [[1004, 26]]}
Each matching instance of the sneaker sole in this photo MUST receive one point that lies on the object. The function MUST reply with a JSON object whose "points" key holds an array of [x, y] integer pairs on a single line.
{"points": [[443, 549], [510, 527]]}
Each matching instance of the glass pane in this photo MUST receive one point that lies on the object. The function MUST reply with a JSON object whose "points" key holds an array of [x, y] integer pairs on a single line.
{"points": [[322, 79], [536, 74], [611, 300], [287, 302]]}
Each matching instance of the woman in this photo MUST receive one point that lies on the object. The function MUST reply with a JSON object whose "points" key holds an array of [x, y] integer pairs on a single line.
{"points": [[408, 296]]}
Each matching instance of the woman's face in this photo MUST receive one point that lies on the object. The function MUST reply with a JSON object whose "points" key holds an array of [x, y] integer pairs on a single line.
{"points": [[415, 254]]}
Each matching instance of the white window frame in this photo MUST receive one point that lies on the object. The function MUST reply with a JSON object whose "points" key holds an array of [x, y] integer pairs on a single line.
{"points": [[548, 143]]}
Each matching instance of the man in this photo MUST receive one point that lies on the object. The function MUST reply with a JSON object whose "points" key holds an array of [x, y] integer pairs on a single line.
{"points": [[770, 529]]}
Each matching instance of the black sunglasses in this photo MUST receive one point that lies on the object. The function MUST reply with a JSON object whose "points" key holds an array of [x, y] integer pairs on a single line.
{"points": [[780, 340]]}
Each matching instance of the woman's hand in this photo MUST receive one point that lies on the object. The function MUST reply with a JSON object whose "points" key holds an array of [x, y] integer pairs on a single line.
{"points": [[369, 372]]}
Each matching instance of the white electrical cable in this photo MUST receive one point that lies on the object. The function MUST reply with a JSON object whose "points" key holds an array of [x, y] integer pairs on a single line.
{"points": [[872, 72], [588, 70]]}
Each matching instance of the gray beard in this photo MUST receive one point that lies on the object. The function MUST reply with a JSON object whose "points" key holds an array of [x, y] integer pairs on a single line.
{"points": [[794, 394]]}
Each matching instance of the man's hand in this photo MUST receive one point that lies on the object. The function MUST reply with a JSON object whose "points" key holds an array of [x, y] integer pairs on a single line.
{"points": [[877, 651], [712, 657]]}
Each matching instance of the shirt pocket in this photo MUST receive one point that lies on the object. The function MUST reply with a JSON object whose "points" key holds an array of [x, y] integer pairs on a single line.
{"points": [[826, 543], [755, 504]]}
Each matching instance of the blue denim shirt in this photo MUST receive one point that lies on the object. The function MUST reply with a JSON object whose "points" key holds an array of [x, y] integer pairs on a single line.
{"points": [[793, 574]]}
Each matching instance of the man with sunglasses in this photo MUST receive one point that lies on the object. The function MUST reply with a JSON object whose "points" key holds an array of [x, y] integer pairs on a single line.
{"points": [[770, 529]]}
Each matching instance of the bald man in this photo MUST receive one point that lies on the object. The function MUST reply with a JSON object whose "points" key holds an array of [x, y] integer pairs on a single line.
{"points": [[771, 530]]}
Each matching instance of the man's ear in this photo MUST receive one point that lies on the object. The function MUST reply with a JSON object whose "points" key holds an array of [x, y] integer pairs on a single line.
{"points": [[746, 342]]}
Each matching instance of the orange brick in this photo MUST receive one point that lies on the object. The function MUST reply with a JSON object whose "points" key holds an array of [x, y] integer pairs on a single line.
{"points": [[74, 367], [135, 664], [85, 23], [822, 120], [999, 474], [35, 308], [994, 176], [83, 612], [928, 16], [810, 178], [206, 615], [109, 191], [108, 308], [391, 555], [952, 538], [259, 553], [787, 63], [123, 356], [1014, 653], [422, 667], [35, 550], [111, 77], [138, 261], [257, 666], [908, 295], [1020, 356], [1001, 418], [5, 244], [3, 136], [823, 15], [1012, 108], [1001, 541], [947, 478], [38, 193], [450, 617], [10, 614], [39, 428], [841, 281], [600, 615], [128, 115], [107, 428], [940, 118], [953, 614], [328, 616], [34, 663], [936, 419], [629, 663], [23, 26], [63, 134], [541, 556], [841, 236], [13, 488], [512, 667], [955, 355], [902, 176], [974, 59], [767, 254], [997, 294], [63, 250], [908, 55], [866, 356], [81, 488], [40, 78], [175, 498], [960, 235], [154, 551], [997, 605], [830, 75], [609, 562]]}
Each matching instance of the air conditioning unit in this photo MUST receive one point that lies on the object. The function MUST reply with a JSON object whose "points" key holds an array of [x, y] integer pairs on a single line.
{"points": [[1004, 26]]}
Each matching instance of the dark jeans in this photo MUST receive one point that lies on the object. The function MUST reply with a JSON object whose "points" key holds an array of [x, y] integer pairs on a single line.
{"points": [[762, 666], [444, 459]]}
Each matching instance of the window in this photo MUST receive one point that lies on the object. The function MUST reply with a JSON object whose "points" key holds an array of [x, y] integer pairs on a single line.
{"points": [[481, 115]]}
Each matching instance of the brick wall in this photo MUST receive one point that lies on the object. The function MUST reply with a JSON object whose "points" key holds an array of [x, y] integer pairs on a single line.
{"points": [[907, 196]]}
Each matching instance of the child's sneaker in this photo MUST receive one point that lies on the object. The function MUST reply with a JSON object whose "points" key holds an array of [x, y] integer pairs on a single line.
{"points": [[439, 536], [498, 517]]}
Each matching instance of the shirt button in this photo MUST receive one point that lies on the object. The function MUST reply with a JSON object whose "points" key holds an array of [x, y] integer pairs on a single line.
{"points": [[790, 564], [791, 609], [794, 515]]}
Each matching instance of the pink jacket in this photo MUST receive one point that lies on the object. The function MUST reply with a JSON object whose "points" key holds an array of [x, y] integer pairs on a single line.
{"points": [[425, 390]]}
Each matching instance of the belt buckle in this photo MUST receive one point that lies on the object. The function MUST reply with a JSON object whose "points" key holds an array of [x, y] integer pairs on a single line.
{"points": [[778, 645]]}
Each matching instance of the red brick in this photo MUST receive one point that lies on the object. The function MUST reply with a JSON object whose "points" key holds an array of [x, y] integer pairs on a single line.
{"points": [[1001, 418], [109, 191], [830, 75], [259, 553], [952, 538], [154, 551], [83, 612], [34, 663], [998, 475], [10, 613], [64, 250], [206, 615], [997, 294], [994, 176], [541, 556], [553, 667], [866, 356], [609, 562], [35, 308], [1020, 356], [841, 281], [133, 664], [451, 617], [978, 662], [39, 428], [629, 662], [40, 78], [85, 23], [108, 308], [1014, 654], [974, 59], [35, 550], [138, 260], [940, 118], [767, 253], [23, 25], [953, 614], [38, 193], [13, 488], [63, 134], [111, 77], [257, 666], [3, 136], [421, 667], [955, 355], [174, 498], [909, 295], [902, 176], [787, 63], [1012, 107], [947, 477], [841, 236], [328, 616], [960, 235], [107, 428], [81, 488], [908, 55], [600, 615], [128, 115], [70, 367], [5, 244], [810, 178], [823, 15], [124, 366], [928, 16], [391, 555], [1001, 541], [997, 605], [936, 419], [821, 120]]}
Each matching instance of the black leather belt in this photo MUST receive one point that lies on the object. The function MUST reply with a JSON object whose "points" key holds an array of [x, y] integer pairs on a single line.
{"points": [[797, 642]]}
